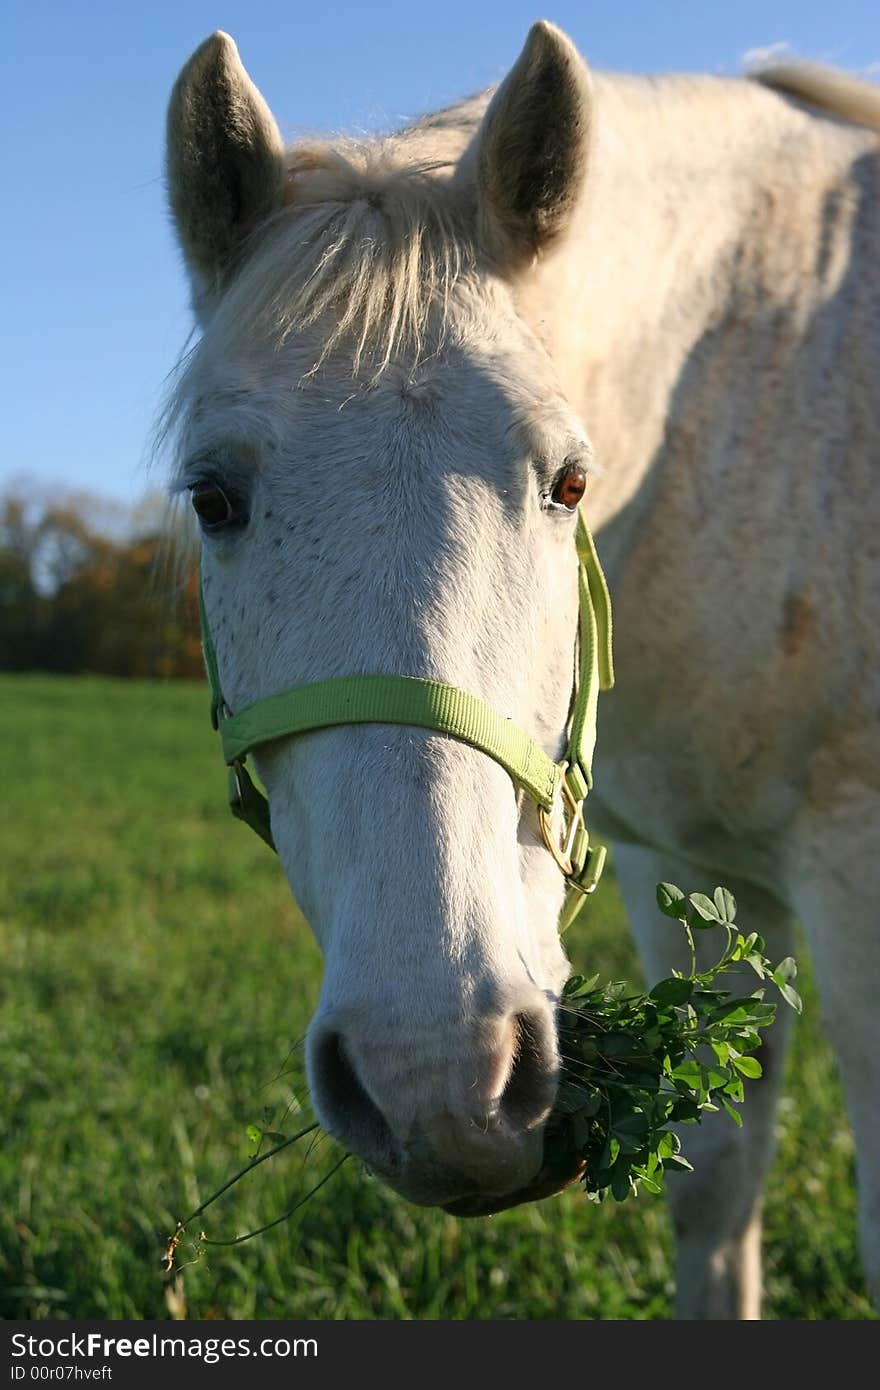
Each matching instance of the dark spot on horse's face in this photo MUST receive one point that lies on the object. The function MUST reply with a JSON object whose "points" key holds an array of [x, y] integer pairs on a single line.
{"points": [[797, 623], [277, 542], [267, 515]]}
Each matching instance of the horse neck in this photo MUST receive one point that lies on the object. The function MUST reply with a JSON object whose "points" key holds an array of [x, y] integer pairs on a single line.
{"points": [[712, 204]]}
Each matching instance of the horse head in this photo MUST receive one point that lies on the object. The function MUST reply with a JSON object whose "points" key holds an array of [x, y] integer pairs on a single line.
{"points": [[386, 472]]}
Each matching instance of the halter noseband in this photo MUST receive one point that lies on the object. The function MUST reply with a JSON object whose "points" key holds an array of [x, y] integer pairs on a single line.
{"points": [[448, 710]]}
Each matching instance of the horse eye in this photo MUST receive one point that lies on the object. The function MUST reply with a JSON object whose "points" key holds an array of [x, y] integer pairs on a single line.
{"points": [[570, 486], [211, 505]]}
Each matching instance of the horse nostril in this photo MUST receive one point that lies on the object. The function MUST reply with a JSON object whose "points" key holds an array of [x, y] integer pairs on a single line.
{"points": [[531, 1084], [464, 1115], [344, 1107]]}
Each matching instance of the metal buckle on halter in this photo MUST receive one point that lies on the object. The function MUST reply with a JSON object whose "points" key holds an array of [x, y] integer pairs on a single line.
{"points": [[572, 823], [587, 881], [248, 803], [236, 790]]}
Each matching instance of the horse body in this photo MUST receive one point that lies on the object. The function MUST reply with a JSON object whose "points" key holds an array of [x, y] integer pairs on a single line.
{"points": [[735, 419], [730, 399], [687, 267]]}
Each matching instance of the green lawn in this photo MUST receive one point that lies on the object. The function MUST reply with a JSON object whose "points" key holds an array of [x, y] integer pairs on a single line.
{"points": [[155, 981]]}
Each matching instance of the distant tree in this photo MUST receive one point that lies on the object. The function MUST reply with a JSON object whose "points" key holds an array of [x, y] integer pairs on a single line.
{"points": [[73, 599], [20, 608]]}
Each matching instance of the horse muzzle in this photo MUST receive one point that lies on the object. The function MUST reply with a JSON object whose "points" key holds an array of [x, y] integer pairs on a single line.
{"points": [[451, 1120]]}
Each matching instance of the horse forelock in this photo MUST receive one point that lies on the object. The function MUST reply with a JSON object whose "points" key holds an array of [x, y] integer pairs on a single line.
{"points": [[367, 250]]}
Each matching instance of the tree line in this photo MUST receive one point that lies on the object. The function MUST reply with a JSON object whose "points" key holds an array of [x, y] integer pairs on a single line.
{"points": [[86, 587]]}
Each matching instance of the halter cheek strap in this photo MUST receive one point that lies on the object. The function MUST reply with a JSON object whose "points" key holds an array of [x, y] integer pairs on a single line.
{"points": [[557, 789]]}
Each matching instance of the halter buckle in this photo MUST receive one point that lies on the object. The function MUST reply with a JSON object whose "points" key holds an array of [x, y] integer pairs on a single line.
{"points": [[237, 775], [247, 802], [572, 824]]}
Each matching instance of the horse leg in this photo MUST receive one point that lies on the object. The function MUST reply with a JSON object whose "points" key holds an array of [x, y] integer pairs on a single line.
{"points": [[835, 888], [716, 1210]]}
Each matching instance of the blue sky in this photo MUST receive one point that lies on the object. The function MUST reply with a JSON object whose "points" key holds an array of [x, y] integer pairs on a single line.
{"points": [[94, 299]]}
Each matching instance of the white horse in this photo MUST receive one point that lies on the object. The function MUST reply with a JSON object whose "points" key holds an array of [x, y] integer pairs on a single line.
{"points": [[405, 344]]}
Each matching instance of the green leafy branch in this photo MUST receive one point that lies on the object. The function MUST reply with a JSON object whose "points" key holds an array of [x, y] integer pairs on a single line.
{"points": [[634, 1066], [637, 1064]]}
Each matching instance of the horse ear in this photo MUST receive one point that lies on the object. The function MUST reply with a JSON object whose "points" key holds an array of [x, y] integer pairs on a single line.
{"points": [[532, 149], [224, 161]]}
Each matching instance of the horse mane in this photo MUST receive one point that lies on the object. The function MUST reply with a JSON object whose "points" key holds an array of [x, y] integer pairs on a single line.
{"points": [[372, 238], [370, 242], [828, 89]]}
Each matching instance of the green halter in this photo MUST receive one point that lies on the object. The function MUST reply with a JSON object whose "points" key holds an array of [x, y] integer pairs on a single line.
{"points": [[447, 710]]}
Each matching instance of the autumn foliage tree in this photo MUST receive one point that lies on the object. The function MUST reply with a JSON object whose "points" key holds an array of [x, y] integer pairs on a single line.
{"points": [[79, 595]]}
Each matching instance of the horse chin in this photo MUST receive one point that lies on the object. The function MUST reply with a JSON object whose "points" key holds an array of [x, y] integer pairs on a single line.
{"points": [[549, 1180]]}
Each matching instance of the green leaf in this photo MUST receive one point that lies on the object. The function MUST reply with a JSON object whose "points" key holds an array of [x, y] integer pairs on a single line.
{"points": [[732, 1112], [704, 908], [786, 970], [578, 984], [675, 990], [678, 1161], [632, 1145], [650, 1184], [758, 1008], [691, 1073], [254, 1138], [685, 1110], [749, 1040], [734, 1011], [791, 997], [748, 1066], [671, 901], [725, 904], [620, 1183]]}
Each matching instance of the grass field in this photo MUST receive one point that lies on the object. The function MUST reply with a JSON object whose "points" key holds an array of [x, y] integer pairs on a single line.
{"points": [[154, 979]]}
